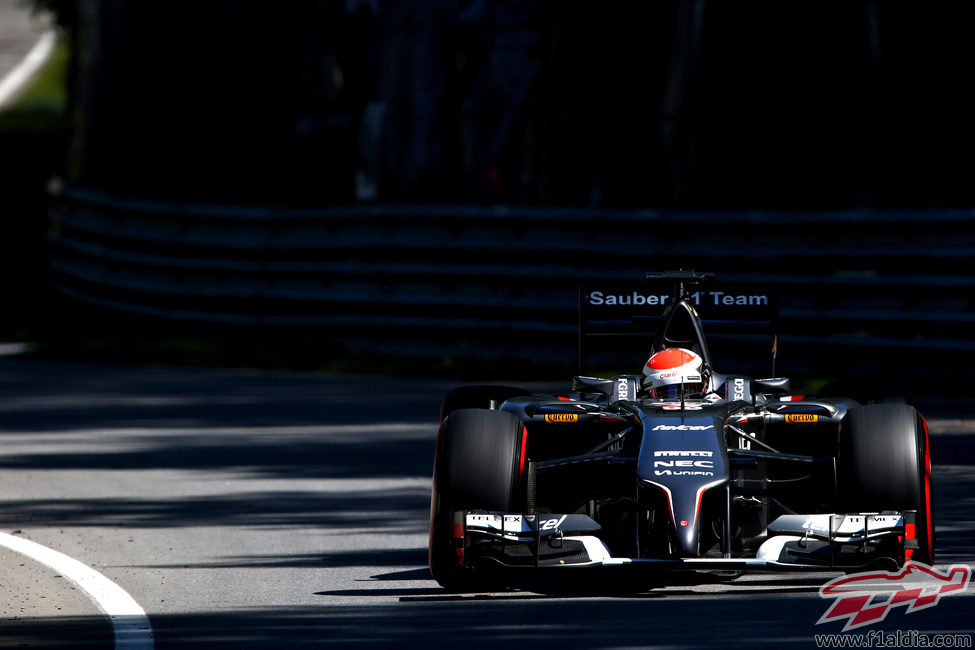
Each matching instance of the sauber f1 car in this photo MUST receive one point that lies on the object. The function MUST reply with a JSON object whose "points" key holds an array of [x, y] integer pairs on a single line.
{"points": [[679, 469]]}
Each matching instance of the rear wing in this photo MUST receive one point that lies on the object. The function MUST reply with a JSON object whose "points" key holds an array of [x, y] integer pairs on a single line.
{"points": [[630, 320]]}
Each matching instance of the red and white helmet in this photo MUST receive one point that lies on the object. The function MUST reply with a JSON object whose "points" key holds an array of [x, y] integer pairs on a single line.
{"points": [[668, 370]]}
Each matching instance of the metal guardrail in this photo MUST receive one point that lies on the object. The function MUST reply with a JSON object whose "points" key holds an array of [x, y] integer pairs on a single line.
{"points": [[502, 281]]}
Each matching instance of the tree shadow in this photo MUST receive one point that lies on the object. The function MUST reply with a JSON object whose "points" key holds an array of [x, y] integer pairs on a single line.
{"points": [[424, 620], [404, 510], [57, 633], [266, 424]]}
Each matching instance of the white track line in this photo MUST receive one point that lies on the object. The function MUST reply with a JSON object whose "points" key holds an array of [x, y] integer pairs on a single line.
{"points": [[17, 77], [129, 620]]}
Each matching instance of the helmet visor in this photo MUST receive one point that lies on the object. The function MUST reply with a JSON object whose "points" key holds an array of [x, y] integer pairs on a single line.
{"points": [[671, 392]]}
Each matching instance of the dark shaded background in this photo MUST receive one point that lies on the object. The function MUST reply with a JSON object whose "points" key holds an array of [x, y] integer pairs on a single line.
{"points": [[692, 104], [842, 107]]}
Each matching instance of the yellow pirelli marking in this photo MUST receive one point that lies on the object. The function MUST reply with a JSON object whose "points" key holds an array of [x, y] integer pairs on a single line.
{"points": [[801, 418], [561, 418]]}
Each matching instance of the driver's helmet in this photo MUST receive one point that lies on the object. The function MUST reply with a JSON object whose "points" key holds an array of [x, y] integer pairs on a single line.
{"points": [[669, 370]]}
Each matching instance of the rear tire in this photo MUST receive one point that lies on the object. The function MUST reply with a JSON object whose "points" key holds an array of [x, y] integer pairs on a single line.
{"points": [[885, 464], [479, 465]]}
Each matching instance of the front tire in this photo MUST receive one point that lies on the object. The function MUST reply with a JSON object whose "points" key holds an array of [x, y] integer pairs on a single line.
{"points": [[885, 464], [479, 465]]}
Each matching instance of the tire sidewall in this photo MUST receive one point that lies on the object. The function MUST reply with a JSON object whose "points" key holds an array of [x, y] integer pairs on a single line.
{"points": [[884, 464], [478, 466]]}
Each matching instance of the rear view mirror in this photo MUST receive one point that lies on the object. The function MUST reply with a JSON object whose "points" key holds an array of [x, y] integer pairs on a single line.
{"points": [[593, 385], [776, 386]]}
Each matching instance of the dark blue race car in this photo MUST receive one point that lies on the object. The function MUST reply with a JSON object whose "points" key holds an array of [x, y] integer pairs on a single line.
{"points": [[628, 479]]}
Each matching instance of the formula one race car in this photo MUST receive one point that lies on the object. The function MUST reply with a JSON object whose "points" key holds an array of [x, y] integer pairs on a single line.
{"points": [[678, 469]]}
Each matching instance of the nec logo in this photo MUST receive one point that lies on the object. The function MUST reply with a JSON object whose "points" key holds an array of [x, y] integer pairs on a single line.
{"points": [[706, 464]]}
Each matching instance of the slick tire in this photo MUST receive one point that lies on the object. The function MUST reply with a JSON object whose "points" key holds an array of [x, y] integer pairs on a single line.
{"points": [[885, 464], [479, 465], [478, 397]]}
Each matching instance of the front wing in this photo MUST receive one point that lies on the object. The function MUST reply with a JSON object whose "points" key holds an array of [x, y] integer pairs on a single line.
{"points": [[821, 542]]}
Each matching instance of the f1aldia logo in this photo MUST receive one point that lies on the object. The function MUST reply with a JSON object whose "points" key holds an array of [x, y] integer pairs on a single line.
{"points": [[867, 598]]}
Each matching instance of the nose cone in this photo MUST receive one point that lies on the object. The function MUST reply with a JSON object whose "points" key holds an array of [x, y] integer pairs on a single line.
{"points": [[686, 513], [688, 536], [684, 454]]}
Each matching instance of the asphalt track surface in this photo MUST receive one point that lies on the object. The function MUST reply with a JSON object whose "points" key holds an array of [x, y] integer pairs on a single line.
{"points": [[253, 509]]}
